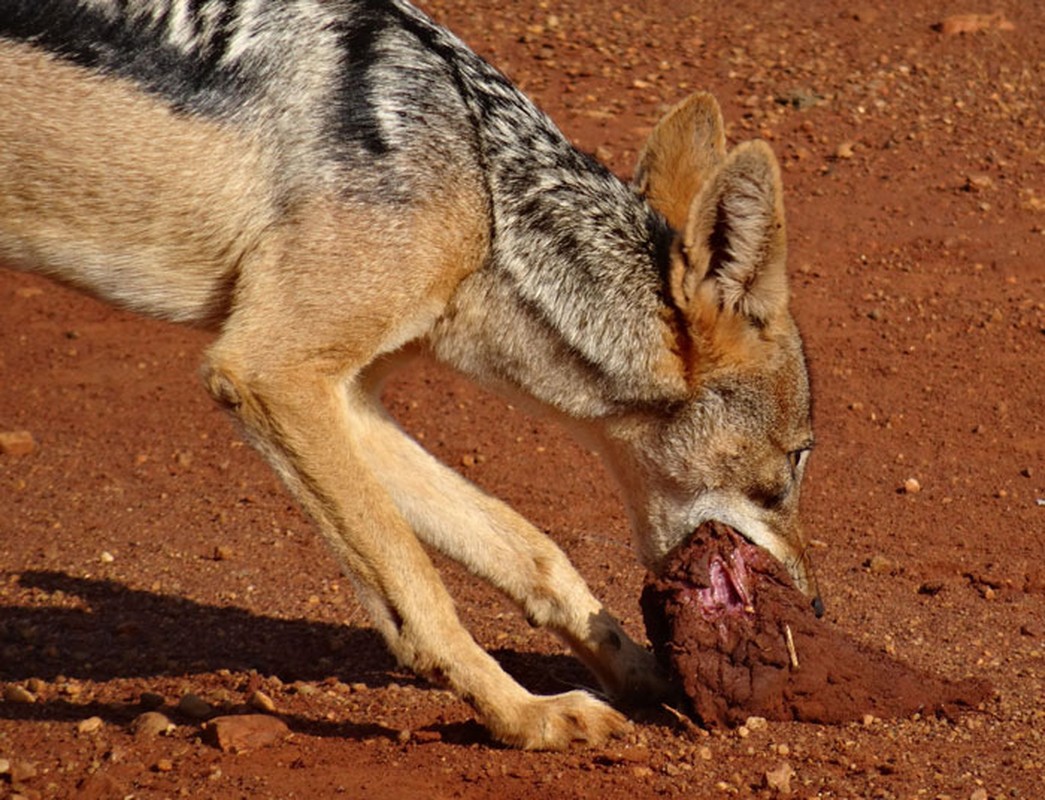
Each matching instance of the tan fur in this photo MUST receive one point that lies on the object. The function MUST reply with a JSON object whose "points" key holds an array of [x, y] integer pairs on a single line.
{"points": [[124, 218], [318, 297], [685, 148]]}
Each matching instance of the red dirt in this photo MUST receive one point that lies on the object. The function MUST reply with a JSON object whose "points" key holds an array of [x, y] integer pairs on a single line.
{"points": [[915, 188], [732, 641]]}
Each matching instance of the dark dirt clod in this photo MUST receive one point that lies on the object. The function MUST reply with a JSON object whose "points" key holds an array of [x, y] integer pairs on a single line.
{"points": [[735, 662]]}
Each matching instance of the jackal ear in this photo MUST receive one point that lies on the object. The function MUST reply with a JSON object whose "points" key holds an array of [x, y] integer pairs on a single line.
{"points": [[734, 243], [684, 149]]}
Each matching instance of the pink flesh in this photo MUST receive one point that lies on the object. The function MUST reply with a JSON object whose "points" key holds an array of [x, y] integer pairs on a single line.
{"points": [[729, 590]]}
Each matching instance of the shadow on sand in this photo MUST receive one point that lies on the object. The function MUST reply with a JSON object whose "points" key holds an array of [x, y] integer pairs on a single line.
{"points": [[110, 632]]}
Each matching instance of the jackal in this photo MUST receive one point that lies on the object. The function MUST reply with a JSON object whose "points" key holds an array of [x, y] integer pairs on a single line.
{"points": [[337, 186]]}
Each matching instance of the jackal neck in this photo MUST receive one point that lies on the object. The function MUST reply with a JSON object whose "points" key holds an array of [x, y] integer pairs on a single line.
{"points": [[570, 307]]}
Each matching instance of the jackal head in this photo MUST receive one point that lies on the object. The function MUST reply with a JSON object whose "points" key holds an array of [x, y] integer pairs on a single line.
{"points": [[734, 448]]}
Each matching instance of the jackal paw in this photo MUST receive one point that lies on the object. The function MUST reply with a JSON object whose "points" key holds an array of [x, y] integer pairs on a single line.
{"points": [[556, 722]]}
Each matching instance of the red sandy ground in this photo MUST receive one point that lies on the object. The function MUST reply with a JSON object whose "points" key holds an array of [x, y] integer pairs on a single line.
{"points": [[914, 173]]}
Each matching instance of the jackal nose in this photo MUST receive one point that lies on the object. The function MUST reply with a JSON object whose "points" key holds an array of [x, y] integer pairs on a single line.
{"points": [[818, 607]]}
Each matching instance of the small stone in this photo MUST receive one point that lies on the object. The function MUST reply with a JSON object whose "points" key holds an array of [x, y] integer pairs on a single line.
{"points": [[845, 150], [262, 702], [151, 723], [974, 23], [780, 777], [163, 765], [36, 685], [912, 486], [106, 557], [636, 755], [22, 771], [979, 794], [879, 565], [755, 723], [238, 734], [90, 725], [223, 552], [868, 720], [17, 443], [704, 753], [193, 706], [5, 766], [978, 183], [13, 693]]}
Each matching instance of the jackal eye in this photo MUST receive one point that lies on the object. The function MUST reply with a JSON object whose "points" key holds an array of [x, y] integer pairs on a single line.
{"points": [[795, 458]]}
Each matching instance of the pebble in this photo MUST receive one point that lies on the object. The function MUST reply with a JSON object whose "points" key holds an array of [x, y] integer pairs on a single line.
{"points": [[5, 766], [17, 443], [106, 557], [844, 150], [151, 723], [90, 725], [756, 723], [978, 183], [974, 23], [240, 733], [223, 552], [262, 702], [13, 693], [193, 706], [779, 778], [880, 565], [21, 771], [912, 486], [979, 794]]}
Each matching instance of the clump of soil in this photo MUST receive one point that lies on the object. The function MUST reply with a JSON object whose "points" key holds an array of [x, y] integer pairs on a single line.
{"points": [[740, 640]]}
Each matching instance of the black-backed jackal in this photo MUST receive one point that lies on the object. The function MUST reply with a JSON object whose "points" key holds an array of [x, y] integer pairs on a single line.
{"points": [[335, 186]]}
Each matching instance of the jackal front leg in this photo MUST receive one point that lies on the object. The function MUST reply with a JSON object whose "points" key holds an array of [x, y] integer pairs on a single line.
{"points": [[496, 543], [308, 425]]}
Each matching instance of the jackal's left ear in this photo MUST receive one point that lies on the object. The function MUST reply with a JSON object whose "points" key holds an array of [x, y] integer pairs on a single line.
{"points": [[682, 152], [734, 244]]}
